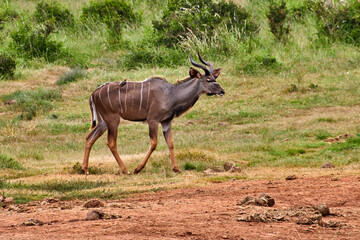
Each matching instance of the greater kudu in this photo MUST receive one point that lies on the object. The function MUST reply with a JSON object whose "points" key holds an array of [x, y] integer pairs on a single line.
{"points": [[154, 101]]}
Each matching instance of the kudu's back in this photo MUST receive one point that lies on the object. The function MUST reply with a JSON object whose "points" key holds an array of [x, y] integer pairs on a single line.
{"points": [[131, 100]]}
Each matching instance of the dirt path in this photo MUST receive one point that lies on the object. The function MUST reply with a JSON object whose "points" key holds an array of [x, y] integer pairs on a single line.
{"points": [[199, 213]]}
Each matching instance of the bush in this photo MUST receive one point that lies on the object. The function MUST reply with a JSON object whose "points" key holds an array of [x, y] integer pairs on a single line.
{"points": [[156, 56], [7, 66], [9, 162], [33, 102], [114, 13], [71, 76], [198, 17], [34, 42], [277, 17], [258, 63], [339, 21], [53, 13], [7, 14]]}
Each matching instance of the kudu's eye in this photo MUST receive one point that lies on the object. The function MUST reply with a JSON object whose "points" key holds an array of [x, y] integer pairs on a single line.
{"points": [[208, 80]]}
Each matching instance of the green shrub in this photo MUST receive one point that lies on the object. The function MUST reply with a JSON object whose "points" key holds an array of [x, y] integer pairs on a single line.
{"points": [[33, 102], [199, 17], [53, 13], [277, 17], [7, 66], [34, 42], [322, 134], [114, 13], [71, 76], [9, 162], [7, 14], [199, 167], [339, 21], [155, 56], [257, 63]]}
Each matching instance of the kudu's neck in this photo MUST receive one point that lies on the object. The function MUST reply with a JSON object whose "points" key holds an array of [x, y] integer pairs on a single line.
{"points": [[185, 95], [188, 91]]}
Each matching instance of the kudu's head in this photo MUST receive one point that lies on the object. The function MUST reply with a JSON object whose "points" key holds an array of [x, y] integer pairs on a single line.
{"points": [[208, 80]]}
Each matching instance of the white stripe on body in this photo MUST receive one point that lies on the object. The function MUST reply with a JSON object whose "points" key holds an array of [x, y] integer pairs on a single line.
{"points": [[100, 97], [141, 95], [109, 97]]}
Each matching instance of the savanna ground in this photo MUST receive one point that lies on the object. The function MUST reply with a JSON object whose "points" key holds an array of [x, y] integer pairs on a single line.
{"points": [[207, 212], [288, 96]]}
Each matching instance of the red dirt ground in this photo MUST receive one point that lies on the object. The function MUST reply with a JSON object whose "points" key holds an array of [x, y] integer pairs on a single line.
{"points": [[197, 213]]}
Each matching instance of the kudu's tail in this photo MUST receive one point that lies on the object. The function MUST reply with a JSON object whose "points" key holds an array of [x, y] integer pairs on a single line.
{"points": [[93, 112]]}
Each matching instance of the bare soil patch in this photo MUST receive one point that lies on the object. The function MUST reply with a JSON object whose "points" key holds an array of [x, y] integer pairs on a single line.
{"points": [[211, 212]]}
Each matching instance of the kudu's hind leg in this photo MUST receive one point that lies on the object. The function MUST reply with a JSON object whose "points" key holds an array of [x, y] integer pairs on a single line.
{"points": [[169, 141], [90, 140], [111, 142], [153, 132]]}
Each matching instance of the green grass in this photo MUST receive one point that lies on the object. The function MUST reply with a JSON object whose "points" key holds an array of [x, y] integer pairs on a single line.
{"points": [[283, 99], [9, 162]]}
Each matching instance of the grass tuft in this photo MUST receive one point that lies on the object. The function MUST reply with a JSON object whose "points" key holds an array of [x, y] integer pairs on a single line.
{"points": [[71, 76], [9, 162]]}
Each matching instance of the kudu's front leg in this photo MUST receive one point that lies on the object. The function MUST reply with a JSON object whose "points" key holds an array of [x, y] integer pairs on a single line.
{"points": [[169, 141], [153, 132]]}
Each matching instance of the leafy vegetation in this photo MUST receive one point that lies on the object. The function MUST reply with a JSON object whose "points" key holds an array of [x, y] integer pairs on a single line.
{"points": [[7, 66], [199, 18], [339, 20], [277, 20], [114, 13], [9, 162], [32, 102], [53, 13], [71, 76], [35, 42]]}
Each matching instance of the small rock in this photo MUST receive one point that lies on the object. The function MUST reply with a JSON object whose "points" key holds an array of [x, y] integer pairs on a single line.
{"points": [[32, 222], [228, 166], [217, 169], [328, 165], [94, 203], [291, 177], [209, 171], [302, 220], [110, 216], [94, 215], [247, 200], [263, 200], [49, 200], [266, 200], [64, 206], [330, 224], [17, 208], [323, 209]]}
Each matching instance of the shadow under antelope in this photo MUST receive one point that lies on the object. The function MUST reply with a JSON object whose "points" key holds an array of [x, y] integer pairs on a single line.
{"points": [[153, 100]]}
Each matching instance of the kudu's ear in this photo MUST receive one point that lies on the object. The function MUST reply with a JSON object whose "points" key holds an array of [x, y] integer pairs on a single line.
{"points": [[194, 73], [216, 73]]}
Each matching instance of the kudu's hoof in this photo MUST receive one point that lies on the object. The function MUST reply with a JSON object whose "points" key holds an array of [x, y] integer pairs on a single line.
{"points": [[176, 170], [84, 172], [136, 171]]}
